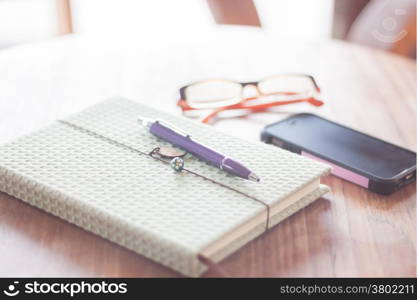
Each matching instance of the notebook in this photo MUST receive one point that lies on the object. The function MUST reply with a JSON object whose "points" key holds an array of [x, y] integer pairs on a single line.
{"points": [[92, 169]]}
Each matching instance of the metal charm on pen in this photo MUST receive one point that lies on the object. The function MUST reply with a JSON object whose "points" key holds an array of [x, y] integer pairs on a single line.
{"points": [[181, 139]]}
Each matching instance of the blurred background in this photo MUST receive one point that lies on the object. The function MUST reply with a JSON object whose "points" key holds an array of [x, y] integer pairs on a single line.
{"points": [[385, 24]]}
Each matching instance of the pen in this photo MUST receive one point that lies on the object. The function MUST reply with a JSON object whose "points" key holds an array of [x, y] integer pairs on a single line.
{"points": [[182, 140]]}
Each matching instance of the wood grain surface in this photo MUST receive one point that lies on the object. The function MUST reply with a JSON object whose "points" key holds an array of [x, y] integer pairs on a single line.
{"points": [[349, 232]]}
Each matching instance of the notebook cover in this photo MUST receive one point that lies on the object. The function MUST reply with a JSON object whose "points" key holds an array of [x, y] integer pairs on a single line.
{"points": [[85, 177]]}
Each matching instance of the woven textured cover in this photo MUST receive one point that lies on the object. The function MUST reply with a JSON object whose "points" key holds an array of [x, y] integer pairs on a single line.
{"points": [[137, 201]]}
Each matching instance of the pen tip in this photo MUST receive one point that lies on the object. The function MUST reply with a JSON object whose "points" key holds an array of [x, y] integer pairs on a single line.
{"points": [[254, 177]]}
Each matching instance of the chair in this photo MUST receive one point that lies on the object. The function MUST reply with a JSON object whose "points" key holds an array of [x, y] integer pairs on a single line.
{"points": [[388, 25], [384, 24]]}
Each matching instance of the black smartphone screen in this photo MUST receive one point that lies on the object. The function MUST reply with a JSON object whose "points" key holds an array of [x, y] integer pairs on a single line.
{"points": [[343, 146]]}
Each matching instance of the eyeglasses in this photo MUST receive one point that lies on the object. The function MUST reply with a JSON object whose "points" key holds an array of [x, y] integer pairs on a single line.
{"points": [[221, 95]]}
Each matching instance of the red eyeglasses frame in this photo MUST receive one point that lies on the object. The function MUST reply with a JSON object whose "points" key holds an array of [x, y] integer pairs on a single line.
{"points": [[243, 104]]}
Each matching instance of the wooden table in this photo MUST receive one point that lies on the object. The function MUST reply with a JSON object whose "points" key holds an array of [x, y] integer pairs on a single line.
{"points": [[349, 232]]}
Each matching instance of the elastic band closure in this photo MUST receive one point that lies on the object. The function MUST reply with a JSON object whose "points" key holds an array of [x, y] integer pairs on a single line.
{"points": [[207, 261]]}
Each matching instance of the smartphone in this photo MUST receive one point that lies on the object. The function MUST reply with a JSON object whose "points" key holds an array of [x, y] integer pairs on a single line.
{"points": [[362, 159]]}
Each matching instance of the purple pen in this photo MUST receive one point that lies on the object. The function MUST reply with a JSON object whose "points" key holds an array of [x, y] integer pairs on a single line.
{"points": [[182, 140]]}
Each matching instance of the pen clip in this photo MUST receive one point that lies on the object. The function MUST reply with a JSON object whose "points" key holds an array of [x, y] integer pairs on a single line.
{"points": [[146, 122], [173, 128]]}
